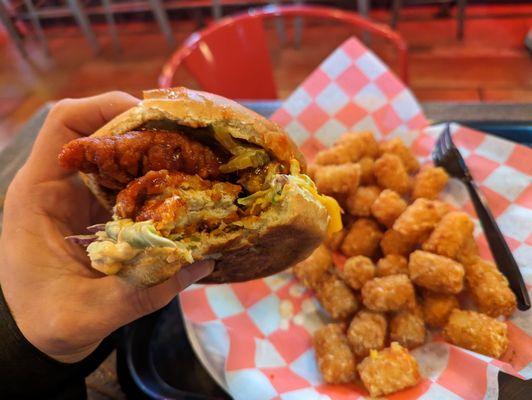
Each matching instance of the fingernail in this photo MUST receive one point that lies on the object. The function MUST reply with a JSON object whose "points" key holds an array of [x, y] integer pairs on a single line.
{"points": [[194, 272]]}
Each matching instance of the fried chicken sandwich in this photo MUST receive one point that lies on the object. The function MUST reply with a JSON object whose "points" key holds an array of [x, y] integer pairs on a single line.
{"points": [[190, 176]]}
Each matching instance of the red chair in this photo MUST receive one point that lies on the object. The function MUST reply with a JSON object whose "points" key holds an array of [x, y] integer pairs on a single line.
{"points": [[230, 57]]}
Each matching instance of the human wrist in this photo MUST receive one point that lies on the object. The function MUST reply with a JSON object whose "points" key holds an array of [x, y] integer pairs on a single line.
{"points": [[43, 324], [54, 334]]}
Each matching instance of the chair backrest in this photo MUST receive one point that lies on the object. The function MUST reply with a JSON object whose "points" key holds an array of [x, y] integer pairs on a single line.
{"points": [[230, 57]]}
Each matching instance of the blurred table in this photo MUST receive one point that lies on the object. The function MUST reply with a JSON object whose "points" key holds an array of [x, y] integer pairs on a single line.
{"points": [[103, 382]]}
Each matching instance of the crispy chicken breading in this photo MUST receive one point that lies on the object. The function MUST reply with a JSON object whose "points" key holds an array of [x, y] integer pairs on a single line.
{"points": [[119, 159], [176, 200]]}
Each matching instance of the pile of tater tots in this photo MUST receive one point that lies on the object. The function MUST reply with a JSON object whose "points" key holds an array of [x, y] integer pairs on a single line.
{"points": [[404, 262]]}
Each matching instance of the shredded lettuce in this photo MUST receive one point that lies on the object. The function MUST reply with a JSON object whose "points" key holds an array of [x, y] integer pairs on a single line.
{"points": [[113, 228], [249, 200], [96, 228], [138, 234], [82, 240], [143, 234], [264, 198]]}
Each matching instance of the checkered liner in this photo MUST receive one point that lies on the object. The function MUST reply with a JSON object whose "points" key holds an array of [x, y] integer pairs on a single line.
{"points": [[242, 330]]}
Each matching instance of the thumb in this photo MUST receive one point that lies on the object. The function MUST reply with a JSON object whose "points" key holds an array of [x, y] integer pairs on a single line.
{"points": [[162, 294]]}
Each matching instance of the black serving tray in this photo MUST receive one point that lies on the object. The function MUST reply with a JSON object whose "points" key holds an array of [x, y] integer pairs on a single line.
{"points": [[519, 132]]}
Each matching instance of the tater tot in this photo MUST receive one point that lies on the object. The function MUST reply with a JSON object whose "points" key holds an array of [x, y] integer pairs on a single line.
{"points": [[335, 155], [390, 173], [469, 253], [334, 240], [389, 293], [335, 359], [397, 147], [311, 270], [394, 242], [437, 273], [387, 207], [357, 271], [429, 182], [389, 370], [366, 332], [391, 264], [408, 328], [490, 289], [366, 171], [337, 179], [450, 234], [361, 143], [311, 170], [359, 201], [420, 218], [336, 297], [362, 239], [437, 308], [477, 332]]}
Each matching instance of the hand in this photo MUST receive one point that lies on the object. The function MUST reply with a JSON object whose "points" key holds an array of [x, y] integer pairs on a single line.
{"points": [[61, 305]]}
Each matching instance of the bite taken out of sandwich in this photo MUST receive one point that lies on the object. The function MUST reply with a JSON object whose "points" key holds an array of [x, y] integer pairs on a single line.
{"points": [[190, 176]]}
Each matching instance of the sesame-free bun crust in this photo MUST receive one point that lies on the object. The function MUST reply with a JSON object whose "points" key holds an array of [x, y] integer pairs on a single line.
{"points": [[284, 235]]}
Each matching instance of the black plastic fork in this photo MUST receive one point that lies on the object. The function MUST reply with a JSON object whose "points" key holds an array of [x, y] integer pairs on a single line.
{"points": [[446, 155]]}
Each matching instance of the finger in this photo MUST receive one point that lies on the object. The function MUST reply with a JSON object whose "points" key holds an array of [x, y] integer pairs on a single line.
{"points": [[160, 295], [86, 115], [68, 120], [123, 303]]}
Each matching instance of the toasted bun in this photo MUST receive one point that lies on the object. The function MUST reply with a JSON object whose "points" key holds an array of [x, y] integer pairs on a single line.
{"points": [[285, 234]]}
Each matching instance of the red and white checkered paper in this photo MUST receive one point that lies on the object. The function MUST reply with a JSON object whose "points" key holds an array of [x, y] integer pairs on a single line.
{"points": [[242, 331]]}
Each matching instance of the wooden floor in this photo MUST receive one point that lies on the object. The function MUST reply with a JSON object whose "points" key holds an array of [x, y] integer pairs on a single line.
{"points": [[490, 64]]}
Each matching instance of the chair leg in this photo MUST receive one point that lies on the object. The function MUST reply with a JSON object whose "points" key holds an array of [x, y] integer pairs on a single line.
{"points": [[279, 25], [36, 23], [363, 10], [298, 28], [162, 19], [216, 9], [84, 24], [396, 6], [12, 31], [460, 18], [110, 18], [298, 31]]}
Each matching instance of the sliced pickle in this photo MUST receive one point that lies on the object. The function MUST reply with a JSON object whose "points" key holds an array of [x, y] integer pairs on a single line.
{"points": [[251, 158], [243, 156]]}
